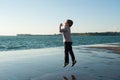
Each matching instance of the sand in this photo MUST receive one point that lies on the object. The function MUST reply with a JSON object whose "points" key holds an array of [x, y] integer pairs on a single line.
{"points": [[113, 47], [47, 64]]}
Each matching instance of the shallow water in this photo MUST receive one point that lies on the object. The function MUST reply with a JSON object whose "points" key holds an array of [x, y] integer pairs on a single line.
{"points": [[47, 64]]}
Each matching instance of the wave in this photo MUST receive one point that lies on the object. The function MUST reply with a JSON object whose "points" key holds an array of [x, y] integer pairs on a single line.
{"points": [[6, 48]]}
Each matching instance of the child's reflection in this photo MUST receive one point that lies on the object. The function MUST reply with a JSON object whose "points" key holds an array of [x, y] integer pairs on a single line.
{"points": [[72, 76]]}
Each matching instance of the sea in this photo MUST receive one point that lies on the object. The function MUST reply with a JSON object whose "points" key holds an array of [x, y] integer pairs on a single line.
{"points": [[8, 43]]}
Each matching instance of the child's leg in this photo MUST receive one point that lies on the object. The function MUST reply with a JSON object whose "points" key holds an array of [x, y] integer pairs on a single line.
{"points": [[71, 51], [66, 57], [66, 52]]}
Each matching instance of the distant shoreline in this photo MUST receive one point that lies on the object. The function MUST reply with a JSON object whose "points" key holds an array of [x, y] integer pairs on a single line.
{"points": [[79, 34]]}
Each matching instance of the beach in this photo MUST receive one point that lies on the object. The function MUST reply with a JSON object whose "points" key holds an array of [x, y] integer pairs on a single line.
{"points": [[37, 35], [47, 64]]}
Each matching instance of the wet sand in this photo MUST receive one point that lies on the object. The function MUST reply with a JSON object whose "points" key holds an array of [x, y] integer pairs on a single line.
{"points": [[113, 47], [47, 64]]}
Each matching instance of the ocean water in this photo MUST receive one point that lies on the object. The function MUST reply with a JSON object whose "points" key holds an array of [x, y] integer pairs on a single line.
{"points": [[8, 43]]}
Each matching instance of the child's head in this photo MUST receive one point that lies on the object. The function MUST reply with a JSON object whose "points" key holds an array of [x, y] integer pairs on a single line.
{"points": [[69, 23]]}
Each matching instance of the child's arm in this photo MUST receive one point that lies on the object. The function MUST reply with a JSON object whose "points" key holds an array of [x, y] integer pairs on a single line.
{"points": [[60, 27], [62, 30]]}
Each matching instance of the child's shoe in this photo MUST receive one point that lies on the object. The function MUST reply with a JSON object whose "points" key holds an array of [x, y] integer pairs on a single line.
{"points": [[73, 63], [65, 64]]}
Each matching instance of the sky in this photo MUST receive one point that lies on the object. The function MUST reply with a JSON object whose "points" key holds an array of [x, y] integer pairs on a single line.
{"points": [[44, 16]]}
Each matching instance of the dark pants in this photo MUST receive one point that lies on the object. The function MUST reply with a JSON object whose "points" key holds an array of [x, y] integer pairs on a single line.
{"points": [[68, 50]]}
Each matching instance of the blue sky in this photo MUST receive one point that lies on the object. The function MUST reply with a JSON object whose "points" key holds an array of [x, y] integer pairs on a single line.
{"points": [[44, 16]]}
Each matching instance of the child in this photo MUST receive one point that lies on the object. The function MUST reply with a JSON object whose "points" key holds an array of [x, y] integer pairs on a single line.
{"points": [[67, 42]]}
